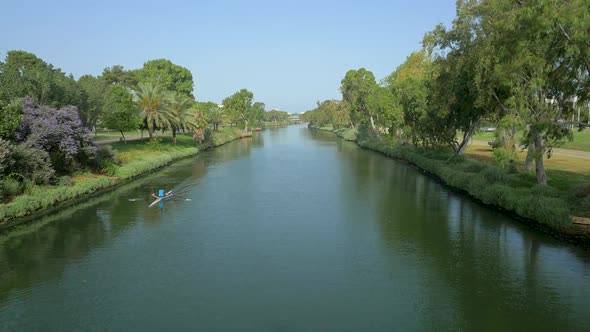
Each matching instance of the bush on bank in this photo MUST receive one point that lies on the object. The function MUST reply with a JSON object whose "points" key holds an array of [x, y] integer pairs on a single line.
{"points": [[507, 189], [487, 183]]}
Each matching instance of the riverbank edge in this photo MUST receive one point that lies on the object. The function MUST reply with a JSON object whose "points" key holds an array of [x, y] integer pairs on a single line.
{"points": [[577, 235], [63, 196]]}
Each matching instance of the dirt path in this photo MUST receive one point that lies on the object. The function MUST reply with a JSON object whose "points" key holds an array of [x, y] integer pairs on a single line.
{"points": [[556, 152]]}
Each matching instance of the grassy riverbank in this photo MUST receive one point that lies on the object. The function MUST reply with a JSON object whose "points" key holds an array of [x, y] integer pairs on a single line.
{"points": [[512, 190], [135, 159]]}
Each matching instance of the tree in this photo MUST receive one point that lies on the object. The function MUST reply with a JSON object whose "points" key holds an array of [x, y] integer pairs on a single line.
{"points": [[215, 115], [256, 114], [196, 120], [238, 106], [168, 75], [410, 85], [23, 74], [119, 111], [275, 116], [150, 99], [382, 105], [176, 105], [94, 89], [356, 87], [118, 75], [541, 68]]}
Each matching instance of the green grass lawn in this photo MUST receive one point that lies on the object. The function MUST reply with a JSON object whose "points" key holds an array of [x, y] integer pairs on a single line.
{"points": [[581, 140]]}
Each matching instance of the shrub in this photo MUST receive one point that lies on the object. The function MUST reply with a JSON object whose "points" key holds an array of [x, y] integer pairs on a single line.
{"points": [[33, 164], [59, 132], [10, 187], [65, 181], [6, 152], [493, 174], [544, 190], [473, 167], [502, 156], [155, 143]]}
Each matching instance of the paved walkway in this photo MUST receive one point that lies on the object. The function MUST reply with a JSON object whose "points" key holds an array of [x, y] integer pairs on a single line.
{"points": [[556, 152], [117, 139]]}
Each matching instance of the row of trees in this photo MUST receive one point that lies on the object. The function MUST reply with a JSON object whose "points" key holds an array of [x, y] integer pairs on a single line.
{"points": [[46, 116], [520, 65]]}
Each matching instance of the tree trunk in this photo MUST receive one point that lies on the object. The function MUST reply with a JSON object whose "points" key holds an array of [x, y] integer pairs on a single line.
{"points": [[528, 160], [538, 155], [124, 139], [174, 135], [372, 122], [466, 138]]}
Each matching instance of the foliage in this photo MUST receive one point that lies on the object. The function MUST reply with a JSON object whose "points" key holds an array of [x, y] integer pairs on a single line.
{"points": [[23, 74], [356, 87], [544, 204], [168, 75], [10, 115], [9, 187], [32, 164], [275, 116], [178, 111], [118, 75], [119, 112], [150, 99], [6, 159], [214, 114], [59, 132], [94, 90], [239, 109]]}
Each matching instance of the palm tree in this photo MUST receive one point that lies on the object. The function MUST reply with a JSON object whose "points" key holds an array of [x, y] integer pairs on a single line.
{"points": [[150, 99], [216, 117], [177, 107], [198, 121]]}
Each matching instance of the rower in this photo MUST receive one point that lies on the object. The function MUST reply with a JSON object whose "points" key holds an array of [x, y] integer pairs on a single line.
{"points": [[162, 194]]}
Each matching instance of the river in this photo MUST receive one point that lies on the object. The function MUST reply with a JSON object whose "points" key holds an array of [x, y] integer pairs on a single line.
{"points": [[290, 230]]}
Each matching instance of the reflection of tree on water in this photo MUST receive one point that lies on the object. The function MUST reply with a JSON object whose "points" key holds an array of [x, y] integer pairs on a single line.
{"points": [[493, 274], [41, 249], [491, 266]]}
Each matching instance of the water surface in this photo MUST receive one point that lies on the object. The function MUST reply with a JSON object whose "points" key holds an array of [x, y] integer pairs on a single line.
{"points": [[292, 230]]}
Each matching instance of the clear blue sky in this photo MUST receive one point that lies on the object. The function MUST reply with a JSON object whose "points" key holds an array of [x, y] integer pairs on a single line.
{"points": [[290, 54]]}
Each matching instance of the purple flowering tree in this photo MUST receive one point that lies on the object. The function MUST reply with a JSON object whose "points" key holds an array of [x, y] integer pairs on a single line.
{"points": [[59, 132]]}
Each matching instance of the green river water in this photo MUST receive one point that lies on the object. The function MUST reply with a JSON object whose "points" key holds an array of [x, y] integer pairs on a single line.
{"points": [[291, 230]]}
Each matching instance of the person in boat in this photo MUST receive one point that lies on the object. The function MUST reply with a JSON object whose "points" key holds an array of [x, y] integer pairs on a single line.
{"points": [[162, 194]]}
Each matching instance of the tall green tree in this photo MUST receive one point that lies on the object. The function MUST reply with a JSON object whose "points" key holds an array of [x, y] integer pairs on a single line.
{"points": [[410, 85], [118, 75], [356, 86], [256, 114], [24, 74], [238, 106], [118, 110], [541, 68], [94, 89], [168, 75]]}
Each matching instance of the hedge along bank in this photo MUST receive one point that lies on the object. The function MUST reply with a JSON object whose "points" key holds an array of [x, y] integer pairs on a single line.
{"points": [[39, 199], [509, 191]]}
